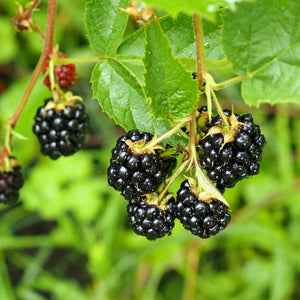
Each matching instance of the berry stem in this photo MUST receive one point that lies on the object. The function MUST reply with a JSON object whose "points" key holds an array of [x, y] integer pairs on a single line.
{"points": [[31, 8], [203, 182], [156, 141], [224, 84], [201, 68], [220, 110], [4, 154], [209, 91], [192, 144], [171, 180]]}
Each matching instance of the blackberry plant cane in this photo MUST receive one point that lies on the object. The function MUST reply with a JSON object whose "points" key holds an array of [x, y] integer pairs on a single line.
{"points": [[11, 178]]}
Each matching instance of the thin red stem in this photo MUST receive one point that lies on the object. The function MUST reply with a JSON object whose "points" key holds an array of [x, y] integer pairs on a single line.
{"points": [[30, 10], [3, 154], [39, 68]]}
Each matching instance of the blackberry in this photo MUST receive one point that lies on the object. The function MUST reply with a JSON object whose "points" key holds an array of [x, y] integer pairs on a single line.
{"points": [[135, 174], [202, 218], [228, 163], [10, 183], [65, 74], [151, 220], [60, 129]]}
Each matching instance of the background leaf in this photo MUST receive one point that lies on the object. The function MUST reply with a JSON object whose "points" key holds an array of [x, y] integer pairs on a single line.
{"points": [[170, 87], [105, 24], [270, 54]]}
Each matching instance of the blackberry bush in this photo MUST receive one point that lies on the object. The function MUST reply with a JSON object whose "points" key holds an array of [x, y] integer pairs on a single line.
{"points": [[228, 160], [203, 217], [148, 218], [60, 128], [11, 180], [134, 171]]}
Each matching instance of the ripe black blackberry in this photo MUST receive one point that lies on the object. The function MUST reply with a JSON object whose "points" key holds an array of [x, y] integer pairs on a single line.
{"points": [[237, 158], [10, 183], [149, 219], [60, 128], [136, 173], [202, 218]]}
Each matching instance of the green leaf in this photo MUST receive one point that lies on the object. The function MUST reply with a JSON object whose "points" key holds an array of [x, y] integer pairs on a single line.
{"points": [[204, 7], [171, 89], [262, 40], [122, 97], [105, 24], [181, 36]]}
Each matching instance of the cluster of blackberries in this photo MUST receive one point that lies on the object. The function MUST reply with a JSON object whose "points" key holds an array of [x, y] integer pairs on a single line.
{"points": [[10, 183], [136, 174], [61, 130], [202, 218], [227, 163]]}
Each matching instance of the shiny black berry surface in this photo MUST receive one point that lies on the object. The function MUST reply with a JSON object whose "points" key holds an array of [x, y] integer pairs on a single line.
{"points": [[10, 183], [201, 218], [137, 174], [227, 164], [149, 220], [60, 132]]}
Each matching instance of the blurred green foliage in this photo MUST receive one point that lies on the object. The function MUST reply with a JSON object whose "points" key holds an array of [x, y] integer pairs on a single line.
{"points": [[69, 239]]}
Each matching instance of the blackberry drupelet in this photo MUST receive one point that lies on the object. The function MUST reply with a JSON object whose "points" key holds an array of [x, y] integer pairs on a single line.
{"points": [[61, 130], [230, 162], [202, 218], [150, 220], [10, 183], [135, 174], [65, 74]]}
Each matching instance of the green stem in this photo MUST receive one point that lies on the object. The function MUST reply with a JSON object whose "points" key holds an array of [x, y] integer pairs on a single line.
{"points": [[224, 84], [78, 60], [220, 110], [156, 141], [171, 180], [208, 101]]}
